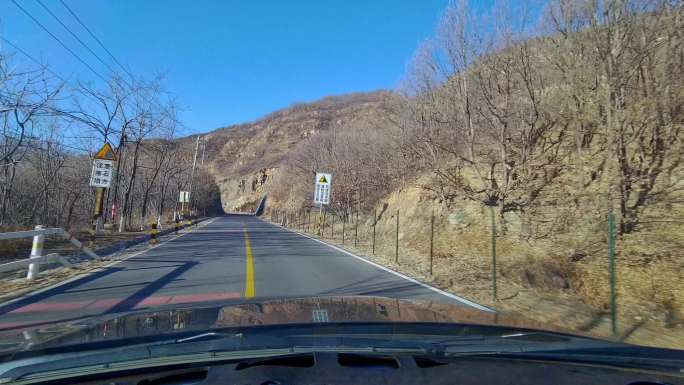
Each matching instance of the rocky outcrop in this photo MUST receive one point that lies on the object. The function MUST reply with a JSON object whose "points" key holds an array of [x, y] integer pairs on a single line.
{"points": [[245, 159]]}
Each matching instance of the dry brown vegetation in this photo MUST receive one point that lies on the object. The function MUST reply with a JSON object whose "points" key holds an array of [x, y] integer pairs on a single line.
{"points": [[551, 126], [543, 279]]}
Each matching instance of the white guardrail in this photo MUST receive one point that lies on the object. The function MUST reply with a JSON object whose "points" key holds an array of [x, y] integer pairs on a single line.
{"points": [[37, 257]]}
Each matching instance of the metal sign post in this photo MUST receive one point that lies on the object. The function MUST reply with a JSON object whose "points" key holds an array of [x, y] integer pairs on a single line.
{"points": [[183, 198], [323, 184], [101, 178]]}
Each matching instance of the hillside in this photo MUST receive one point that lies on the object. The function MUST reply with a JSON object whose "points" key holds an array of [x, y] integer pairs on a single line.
{"points": [[552, 259], [552, 165], [245, 159]]}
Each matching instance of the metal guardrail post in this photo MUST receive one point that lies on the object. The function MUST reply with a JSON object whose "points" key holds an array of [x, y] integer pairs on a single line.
{"points": [[36, 252], [37, 257]]}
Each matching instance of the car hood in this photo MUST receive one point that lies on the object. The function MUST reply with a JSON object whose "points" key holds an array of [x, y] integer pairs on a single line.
{"points": [[270, 312]]}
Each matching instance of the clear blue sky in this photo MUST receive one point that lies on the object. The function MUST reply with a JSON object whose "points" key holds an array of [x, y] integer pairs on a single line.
{"points": [[234, 61]]}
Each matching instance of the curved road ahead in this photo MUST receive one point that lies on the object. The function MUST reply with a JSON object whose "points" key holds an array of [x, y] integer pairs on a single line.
{"points": [[231, 258]]}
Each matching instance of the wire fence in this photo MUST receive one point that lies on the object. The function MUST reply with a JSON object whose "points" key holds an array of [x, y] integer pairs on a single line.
{"points": [[556, 250]]}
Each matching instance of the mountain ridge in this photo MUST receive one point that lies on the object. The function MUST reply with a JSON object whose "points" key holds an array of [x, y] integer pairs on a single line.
{"points": [[245, 158]]}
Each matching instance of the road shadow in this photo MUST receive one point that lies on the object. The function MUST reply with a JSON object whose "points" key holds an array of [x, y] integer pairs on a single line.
{"points": [[94, 289], [147, 291], [378, 285], [38, 297]]}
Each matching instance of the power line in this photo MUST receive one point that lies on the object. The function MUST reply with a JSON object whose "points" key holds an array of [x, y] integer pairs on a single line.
{"points": [[155, 103], [45, 67], [99, 42], [95, 38], [41, 65], [75, 36], [82, 42], [30, 141], [59, 41]]}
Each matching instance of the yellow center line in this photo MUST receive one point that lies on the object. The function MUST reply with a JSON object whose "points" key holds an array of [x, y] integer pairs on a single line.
{"points": [[249, 270]]}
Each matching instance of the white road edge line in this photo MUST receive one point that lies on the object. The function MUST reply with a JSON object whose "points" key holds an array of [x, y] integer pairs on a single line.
{"points": [[80, 276], [387, 269]]}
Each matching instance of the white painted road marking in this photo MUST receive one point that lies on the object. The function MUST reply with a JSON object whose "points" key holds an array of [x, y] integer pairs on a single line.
{"points": [[398, 274]]}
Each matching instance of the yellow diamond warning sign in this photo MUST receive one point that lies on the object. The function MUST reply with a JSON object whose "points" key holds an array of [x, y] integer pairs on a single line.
{"points": [[106, 153]]}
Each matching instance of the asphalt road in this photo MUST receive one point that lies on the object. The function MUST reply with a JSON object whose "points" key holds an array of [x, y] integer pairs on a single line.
{"points": [[232, 258]]}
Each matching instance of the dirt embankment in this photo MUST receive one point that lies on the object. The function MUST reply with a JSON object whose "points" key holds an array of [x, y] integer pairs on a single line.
{"points": [[552, 256], [546, 275]]}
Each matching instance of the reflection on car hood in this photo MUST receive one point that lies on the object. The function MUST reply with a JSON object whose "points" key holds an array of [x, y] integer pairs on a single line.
{"points": [[273, 312]]}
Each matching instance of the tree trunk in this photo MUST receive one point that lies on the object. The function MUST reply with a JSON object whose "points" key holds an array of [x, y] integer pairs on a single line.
{"points": [[127, 195], [71, 211], [143, 207], [119, 166], [10, 173]]}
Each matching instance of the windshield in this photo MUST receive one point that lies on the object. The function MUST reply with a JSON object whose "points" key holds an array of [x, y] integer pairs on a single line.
{"points": [[178, 168]]}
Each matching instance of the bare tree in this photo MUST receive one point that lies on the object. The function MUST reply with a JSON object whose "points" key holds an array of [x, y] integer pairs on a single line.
{"points": [[25, 98], [626, 59]]}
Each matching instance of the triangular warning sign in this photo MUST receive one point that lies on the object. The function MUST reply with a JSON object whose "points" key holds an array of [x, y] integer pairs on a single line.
{"points": [[323, 180], [106, 153]]}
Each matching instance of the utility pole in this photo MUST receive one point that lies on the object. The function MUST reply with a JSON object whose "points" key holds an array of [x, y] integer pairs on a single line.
{"points": [[192, 174]]}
